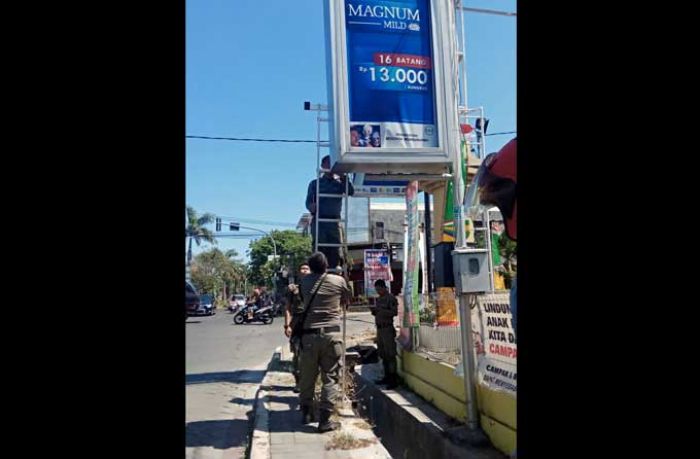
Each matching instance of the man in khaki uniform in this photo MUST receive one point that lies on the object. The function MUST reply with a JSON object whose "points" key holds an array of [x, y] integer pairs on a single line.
{"points": [[292, 313], [384, 311], [322, 344]]}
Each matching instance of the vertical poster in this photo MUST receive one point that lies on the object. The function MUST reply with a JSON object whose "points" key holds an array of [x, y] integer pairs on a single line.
{"points": [[390, 74], [376, 267]]}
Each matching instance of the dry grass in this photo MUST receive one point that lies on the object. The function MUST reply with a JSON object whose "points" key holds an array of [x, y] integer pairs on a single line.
{"points": [[344, 440], [349, 384]]}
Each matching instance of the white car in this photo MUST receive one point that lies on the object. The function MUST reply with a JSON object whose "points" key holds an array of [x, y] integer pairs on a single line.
{"points": [[237, 302]]}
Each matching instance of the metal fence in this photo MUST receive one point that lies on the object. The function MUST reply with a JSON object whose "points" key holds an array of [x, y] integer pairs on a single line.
{"points": [[440, 343]]}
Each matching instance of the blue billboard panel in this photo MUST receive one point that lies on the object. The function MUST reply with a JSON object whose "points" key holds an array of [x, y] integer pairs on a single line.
{"points": [[390, 74]]}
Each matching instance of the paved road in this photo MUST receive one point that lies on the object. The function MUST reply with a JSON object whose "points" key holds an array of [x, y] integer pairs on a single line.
{"points": [[225, 364]]}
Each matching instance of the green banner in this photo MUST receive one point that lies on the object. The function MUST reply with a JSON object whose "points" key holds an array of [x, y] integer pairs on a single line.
{"points": [[411, 299]]}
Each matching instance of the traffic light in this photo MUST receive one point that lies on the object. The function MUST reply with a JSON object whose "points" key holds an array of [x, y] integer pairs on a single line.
{"points": [[218, 224], [234, 226]]}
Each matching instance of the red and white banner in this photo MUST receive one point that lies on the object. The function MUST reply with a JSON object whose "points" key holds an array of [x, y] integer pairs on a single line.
{"points": [[495, 343]]}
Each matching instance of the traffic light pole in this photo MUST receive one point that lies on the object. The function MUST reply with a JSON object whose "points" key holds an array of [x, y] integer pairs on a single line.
{"points": [[274, 245], [233, 226]]}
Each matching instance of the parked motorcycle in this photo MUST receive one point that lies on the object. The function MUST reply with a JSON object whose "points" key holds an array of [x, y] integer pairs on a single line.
{"points": [[264, 315]]}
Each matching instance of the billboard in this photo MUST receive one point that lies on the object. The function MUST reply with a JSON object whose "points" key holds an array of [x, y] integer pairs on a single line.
{"points": [[393, 109], [390, 74]]}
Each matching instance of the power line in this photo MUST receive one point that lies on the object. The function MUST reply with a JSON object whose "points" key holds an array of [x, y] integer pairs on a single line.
{"points": [[486, 11], [259, 222], [502, 133], [241, 236], [240, 139]]}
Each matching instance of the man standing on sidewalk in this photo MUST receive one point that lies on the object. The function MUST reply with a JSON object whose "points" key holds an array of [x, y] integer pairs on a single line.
{"points": [[292, 313], [322, 343], [384, 312]]}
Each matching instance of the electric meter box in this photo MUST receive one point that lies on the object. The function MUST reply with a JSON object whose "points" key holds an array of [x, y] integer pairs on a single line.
{"points": [[471, 270]]}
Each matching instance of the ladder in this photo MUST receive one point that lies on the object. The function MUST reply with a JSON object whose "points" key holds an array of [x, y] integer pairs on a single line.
{"points": [[344, 196], [345, 262]]}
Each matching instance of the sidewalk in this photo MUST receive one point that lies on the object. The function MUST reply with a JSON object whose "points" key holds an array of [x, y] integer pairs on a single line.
{"points": [[279, 433]]}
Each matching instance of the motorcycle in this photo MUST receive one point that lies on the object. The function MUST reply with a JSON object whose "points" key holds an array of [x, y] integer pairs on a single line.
{"points": [[278, 309], [263, 315]]}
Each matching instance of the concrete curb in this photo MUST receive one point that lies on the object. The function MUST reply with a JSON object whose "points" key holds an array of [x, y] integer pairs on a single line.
{"points": [[410, 427], [260, 438]]}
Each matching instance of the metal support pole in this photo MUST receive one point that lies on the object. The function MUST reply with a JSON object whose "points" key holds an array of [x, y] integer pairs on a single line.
{"points": [[489, 258], [465, 322], [318, 179], [345, 306], [428, 225]]}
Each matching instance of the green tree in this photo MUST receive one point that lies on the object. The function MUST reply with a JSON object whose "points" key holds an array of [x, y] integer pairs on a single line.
{"points": [[509, 254], [235, 278], [292, 250], [507, 250], [211, 271], [195, 230]]}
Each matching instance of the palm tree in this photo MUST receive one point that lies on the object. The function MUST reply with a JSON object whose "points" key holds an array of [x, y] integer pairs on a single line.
{"points": [[195, 230], [237, 274]]}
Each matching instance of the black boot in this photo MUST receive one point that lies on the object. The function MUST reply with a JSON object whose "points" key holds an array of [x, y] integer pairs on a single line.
{"points": [[296, 389], [307, 415], [325, 424], [392, 382]]}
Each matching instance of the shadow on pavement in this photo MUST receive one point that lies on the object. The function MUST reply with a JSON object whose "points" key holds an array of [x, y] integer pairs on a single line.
{"points": [[217, 434], [238, 376], [243, 401]]}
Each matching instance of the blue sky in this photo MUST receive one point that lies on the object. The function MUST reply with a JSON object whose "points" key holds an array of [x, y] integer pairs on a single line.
{"points": [[250, 66]]}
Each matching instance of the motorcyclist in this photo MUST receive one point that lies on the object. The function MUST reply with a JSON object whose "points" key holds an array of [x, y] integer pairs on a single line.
{"points": [[253, 303]]}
